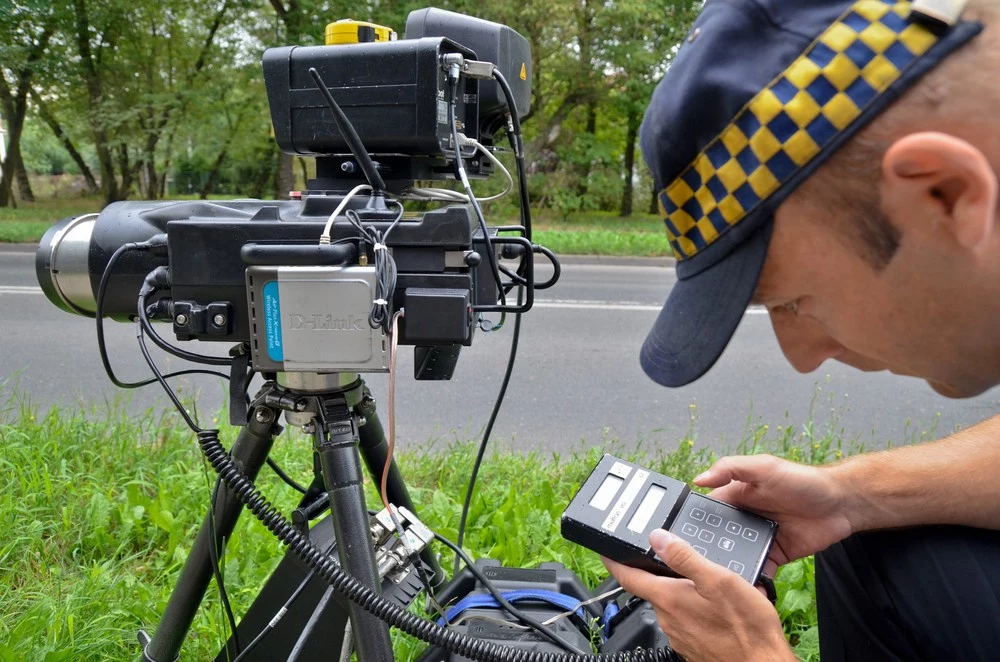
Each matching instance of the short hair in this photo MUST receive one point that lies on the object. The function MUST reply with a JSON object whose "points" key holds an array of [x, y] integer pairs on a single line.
{"points": [[956, 94]]}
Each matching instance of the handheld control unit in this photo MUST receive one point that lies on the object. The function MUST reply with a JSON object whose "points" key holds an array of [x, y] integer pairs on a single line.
{"points": [[621, 503]]}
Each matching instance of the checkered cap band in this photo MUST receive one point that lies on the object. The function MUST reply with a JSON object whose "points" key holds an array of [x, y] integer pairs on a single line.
{"points": [[788, 123]]}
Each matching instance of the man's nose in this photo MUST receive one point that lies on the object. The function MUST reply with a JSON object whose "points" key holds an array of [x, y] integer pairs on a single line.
{"points": [[803, 340]]}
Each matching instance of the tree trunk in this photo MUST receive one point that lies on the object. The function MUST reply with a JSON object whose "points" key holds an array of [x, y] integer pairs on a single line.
{"points": [[15, 105], [46, 114], [630, 138], [284, 178], [654, 204], [263, 173], [583, 182], [213, 174], [305, 172], [126, 170], [9, 168], [21, 175], [166, 163], [150, 179]]}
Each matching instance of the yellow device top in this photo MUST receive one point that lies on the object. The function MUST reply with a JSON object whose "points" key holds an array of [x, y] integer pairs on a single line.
{"points": [[347, 31]]}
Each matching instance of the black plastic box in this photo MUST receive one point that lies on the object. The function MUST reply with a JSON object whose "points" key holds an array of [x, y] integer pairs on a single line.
{"points": [[395, 94]]}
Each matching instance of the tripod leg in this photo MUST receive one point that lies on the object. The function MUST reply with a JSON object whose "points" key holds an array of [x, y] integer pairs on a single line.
{"points": [[250, 451], [338, 454], [375, 451]]}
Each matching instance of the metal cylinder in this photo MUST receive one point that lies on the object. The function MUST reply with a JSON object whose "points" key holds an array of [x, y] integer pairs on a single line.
{"points": [[62, 264]]}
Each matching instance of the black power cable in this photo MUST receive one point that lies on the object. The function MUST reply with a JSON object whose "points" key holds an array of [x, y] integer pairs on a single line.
{"points": [[213, 554], [514, 611], [460, 167], [515, 138], [517, 144], [99, 319], [285, 477], [481, 452], [281, 612], [344, 583]]}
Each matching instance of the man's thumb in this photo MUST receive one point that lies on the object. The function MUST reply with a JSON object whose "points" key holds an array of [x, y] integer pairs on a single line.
{"points": [[680, 556]]}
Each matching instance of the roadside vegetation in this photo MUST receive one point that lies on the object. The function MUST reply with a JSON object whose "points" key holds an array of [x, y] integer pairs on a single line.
{"points": [[575, 233], [143, 100], [100, 508]]}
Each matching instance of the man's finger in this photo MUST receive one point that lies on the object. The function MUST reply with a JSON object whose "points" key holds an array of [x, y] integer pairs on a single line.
{"points": [[637, 582], [744, 468], [681, 557]]}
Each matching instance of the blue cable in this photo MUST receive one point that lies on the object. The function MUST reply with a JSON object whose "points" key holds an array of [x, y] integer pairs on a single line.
{"points": [[565, 602]]}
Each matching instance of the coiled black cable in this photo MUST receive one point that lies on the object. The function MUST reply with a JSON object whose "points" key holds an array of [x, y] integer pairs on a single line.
{"points": [[342, 582], [369, 600]]}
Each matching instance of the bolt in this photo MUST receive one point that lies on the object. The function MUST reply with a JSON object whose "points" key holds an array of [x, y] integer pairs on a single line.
{"points": [[220, 320], [181, 320], [263, 415], [308, 428], [348, 167]]}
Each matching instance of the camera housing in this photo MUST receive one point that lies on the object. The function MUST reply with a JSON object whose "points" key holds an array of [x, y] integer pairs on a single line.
{"points": [[257, 272]]}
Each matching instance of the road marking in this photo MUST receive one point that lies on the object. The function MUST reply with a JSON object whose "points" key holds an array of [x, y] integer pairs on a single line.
{"points": [[567, 304], [20, 289], [579, 304]]}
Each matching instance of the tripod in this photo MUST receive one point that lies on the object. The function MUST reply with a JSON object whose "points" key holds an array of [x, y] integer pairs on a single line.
{"points": [[340, 412]]}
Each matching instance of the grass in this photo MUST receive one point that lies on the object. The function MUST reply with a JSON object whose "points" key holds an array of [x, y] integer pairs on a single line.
{"points": [[100, 508], [584, 233]]}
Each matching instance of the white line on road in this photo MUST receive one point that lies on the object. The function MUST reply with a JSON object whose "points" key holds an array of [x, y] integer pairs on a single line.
{"points": [[20, 289], [617, 305], [570, 304]]}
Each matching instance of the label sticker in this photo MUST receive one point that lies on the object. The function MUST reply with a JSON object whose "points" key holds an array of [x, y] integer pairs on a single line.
{"points": [[524, 71], [628, 496], [272, 321], [620, 469]]}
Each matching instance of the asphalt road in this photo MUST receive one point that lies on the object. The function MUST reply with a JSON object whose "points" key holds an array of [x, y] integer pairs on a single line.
{"points": [[577, 381]]}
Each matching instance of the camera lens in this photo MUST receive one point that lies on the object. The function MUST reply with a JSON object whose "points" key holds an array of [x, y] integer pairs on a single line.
{"points": [[61, 264]]}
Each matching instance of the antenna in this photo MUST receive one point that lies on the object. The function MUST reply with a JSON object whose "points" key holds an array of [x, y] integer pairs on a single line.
{"points": [[351, 136]]}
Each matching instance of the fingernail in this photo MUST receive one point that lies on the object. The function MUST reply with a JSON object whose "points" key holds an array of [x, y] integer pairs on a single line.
{"points": [[702, 476]]}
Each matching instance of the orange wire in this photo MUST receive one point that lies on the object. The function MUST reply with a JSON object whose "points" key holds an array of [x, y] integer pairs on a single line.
{"points": [[392, 407]]}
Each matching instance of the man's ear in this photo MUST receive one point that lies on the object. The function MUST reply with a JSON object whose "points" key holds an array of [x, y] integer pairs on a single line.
{"points": [[943, 184]]}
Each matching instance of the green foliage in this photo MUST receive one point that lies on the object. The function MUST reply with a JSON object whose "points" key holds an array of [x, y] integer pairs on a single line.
{"points": [[172, 90], [100, 509]]}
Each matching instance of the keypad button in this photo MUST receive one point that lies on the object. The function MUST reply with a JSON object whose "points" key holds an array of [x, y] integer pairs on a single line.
{"points": [[726, 544], [706, 536], [736, 567], [713, 520], [749, 534], [698, 514], [689, 529], [701, 550], [733, 528]]}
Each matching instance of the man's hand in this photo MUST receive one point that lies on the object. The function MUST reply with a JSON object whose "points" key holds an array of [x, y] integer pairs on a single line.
{"points": [[712, 613], [809, 504]]}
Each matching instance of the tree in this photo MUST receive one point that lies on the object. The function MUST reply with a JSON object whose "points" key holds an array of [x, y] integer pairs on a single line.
{"points": [[26, 29]]}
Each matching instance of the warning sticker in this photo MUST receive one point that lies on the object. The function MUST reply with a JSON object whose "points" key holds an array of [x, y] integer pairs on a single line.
{"points": [[524, 71]]}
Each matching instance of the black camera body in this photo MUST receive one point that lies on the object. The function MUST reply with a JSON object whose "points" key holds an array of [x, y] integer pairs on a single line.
{"points": [[257, 272]]}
